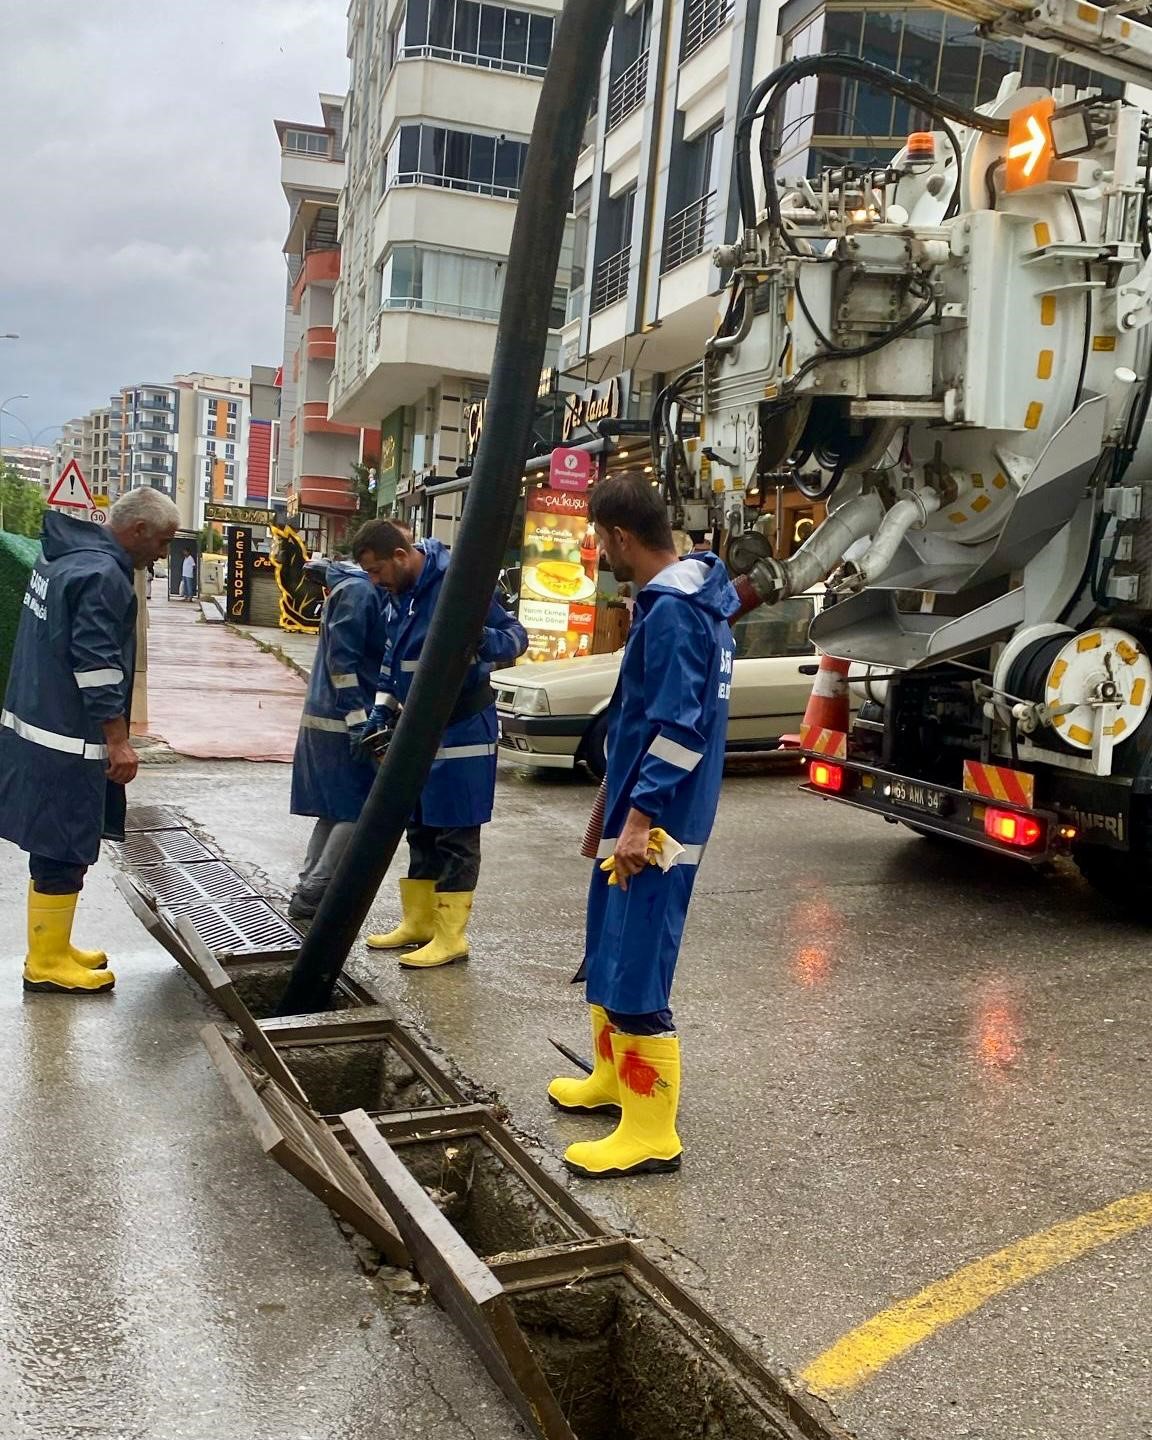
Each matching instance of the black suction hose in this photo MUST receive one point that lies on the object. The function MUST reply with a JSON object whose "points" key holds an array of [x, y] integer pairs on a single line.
{"points": [[545, 199]]}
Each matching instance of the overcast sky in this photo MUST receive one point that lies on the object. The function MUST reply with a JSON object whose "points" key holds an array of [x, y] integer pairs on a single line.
{"points": [[141, 216]]}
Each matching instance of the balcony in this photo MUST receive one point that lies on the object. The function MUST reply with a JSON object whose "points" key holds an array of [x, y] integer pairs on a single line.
{"points": [[689, 232], [702, 20], [626, 92], [316, 421], [610, 282], [332, 493], [320, 342], [321, 267]]}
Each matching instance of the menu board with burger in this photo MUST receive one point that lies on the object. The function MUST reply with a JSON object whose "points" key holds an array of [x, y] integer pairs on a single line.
{"points": [[558, 584]]}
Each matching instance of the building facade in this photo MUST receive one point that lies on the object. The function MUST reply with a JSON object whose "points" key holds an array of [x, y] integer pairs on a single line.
{"points": [[33, 463], [442, 101], [318, 456]]}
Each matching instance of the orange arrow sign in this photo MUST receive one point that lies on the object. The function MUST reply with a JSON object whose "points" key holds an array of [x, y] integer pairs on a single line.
{"points": [[1029, 157]]}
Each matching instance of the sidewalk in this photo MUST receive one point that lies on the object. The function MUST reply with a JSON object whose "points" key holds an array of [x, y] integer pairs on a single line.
{"points": [[212, 695], [296, 651]]}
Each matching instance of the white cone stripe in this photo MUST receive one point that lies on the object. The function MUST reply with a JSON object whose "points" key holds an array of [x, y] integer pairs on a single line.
{"points": [[830, 685], [92, 679], [678, 755]]}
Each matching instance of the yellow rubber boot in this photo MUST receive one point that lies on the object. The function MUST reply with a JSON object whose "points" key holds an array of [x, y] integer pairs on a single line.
{"points": [[598, 1093], [645, 1141], [49, 964], [449, 943], [418, 904], [90, 959]]}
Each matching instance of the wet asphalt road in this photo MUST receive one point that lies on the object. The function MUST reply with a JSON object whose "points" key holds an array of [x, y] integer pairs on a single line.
{"points": [[159, 1279], [898, 1059]]}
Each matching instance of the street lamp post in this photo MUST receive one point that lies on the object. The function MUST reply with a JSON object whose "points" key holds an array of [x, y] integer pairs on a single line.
{"points": [[2, 404]]}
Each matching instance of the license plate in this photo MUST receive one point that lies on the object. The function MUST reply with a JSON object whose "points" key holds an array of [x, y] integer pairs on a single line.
{"points": [[918, 797]]}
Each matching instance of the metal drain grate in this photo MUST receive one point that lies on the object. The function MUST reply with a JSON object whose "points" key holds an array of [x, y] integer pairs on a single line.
{"points": [[160, 846], [152, 817], [245, 926], [179, 888]]}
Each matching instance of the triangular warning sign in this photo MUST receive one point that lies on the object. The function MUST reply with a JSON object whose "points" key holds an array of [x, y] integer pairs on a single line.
{"points": [[71, 490]]}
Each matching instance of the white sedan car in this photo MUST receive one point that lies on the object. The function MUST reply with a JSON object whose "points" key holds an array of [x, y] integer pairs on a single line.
{"points": [[552, 712]]}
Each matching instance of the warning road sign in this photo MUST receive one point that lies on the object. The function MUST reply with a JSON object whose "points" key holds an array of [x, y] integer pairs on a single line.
{"points": [[71, 491], [98, 516]]}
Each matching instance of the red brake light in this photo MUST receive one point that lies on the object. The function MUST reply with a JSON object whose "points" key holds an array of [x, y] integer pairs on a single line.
{"points": [[826, 776], [1012, 828]]}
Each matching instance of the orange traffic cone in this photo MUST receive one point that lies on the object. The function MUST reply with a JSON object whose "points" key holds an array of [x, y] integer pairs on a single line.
{"points": [[825, 725]]}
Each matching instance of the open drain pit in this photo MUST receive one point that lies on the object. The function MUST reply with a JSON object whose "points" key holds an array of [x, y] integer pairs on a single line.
{"points": [[261, 985], [623, 1370], [357, 1061], [491, 1207]]}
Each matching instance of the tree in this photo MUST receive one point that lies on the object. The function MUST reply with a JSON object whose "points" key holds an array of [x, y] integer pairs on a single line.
{"points": [[21, 503], [364, 486]]}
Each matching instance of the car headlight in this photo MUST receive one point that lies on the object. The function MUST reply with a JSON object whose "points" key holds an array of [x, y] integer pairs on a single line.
{"points": [[531, 700]]}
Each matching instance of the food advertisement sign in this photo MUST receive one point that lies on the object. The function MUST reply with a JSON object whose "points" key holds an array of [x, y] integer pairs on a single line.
{"points": [[558, 585]]}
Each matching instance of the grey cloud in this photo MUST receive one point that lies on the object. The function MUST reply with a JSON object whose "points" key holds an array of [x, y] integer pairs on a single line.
{"points": [[141, 216]]}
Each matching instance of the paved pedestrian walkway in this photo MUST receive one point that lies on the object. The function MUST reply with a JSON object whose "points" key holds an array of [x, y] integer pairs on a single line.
{"points": [[212, 694], [296, 651]]}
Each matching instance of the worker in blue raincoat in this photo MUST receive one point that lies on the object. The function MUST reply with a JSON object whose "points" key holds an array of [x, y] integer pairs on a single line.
{"points": [[331, 773], [65, 756], [667, 725], [444, 833]]}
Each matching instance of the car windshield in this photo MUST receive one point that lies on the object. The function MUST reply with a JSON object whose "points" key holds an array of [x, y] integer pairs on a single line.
{"points": [[775, 630]]}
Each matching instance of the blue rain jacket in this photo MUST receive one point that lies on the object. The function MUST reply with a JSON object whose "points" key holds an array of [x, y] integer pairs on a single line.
{"points": [[461, 785], [327, 779], [72, 669], [667, 724]]}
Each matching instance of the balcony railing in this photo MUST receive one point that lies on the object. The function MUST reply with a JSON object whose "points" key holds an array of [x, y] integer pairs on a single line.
{"points": [[454, 182], [471, 57], [702, 19], [610, 283], [439, 307], [688, 233], [627, 91]]}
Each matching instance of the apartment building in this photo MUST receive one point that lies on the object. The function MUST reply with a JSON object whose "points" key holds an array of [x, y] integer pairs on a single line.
{"points": [[31, 462], [654, 190], [442, 100], [149, 437], [99, 424], [314, 470]]}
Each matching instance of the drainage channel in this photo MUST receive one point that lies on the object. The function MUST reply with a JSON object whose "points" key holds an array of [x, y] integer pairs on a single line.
{"points": [[585, 1335]]}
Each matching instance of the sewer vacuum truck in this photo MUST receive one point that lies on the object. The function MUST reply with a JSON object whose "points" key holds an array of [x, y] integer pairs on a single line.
{"points": [[953, 349]]}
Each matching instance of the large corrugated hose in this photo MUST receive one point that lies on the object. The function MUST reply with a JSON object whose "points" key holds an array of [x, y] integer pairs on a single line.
{"points": [[545, 199]]}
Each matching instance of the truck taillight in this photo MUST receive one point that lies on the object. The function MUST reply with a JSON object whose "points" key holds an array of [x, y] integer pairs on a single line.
{"points": [[1012, 828], [826, 776]]}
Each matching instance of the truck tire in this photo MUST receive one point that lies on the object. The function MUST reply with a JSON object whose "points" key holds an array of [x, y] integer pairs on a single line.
{"points": [[593, 750], [1121, 876]]}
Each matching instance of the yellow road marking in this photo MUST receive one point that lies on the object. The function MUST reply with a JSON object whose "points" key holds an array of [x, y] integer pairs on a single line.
{"points": [[861, 1353]]}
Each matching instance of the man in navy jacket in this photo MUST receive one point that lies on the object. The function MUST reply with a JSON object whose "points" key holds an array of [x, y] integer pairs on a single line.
{"points": [[331, 774], [64, 751], [444, 833], [667, 724]]}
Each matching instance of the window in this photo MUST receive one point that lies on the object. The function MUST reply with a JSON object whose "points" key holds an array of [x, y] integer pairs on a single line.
{"points": [[442, 281], [233, 408], [307, 142], [829, 120], [780, 631], [455, 159], [230, 451], [229, 473], [496, 37], [211, 447]]}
